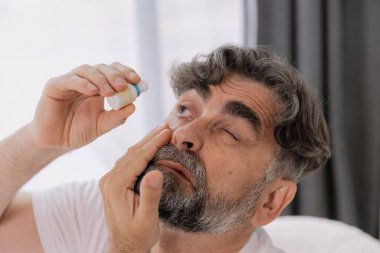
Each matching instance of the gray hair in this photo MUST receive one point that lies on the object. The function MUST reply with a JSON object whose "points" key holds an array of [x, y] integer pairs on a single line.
{"points": [[300, 128]]}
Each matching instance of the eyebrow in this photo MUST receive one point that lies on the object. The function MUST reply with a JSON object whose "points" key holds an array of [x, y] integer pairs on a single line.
{"points": [[238, 109]]}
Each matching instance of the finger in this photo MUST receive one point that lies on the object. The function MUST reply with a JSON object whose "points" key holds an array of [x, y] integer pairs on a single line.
{"points": [[140, 157], [131, 165], [108, 120], [150, 194], [157, 130], [146, 153], [114, 77], [96, 77], [130, 74], [69, 86]]}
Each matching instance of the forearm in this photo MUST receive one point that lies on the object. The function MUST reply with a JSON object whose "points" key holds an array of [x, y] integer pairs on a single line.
{"points": [[20, 159]]}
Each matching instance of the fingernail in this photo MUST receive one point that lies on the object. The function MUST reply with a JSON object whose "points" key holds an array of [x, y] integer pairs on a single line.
{"points": [[155, 182], [133, 75]]}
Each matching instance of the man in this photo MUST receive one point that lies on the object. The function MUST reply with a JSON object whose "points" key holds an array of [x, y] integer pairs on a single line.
{"points": [[244, 131]]}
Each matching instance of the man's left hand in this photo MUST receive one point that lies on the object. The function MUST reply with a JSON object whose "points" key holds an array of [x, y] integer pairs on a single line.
{"points": [[132, 219]]}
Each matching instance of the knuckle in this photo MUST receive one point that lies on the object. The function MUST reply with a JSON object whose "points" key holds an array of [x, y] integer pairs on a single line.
{"points": [[81, 68], [52, 81], [107, 183], [103, 182], [133, 149], [82, 82], [116, 64], [121, 163], [100, 65], [58, 80], [113, 75], [94, 72], [99, 79], [118, 163]]}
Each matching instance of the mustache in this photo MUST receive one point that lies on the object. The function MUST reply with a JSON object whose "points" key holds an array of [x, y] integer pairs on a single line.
{"points": [[188, 160]]}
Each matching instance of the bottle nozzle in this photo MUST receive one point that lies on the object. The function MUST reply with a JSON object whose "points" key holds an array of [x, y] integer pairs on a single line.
{"points": [[143, 86]]}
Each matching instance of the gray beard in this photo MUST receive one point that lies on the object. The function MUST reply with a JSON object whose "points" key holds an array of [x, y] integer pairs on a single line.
{"points": [[195, 209]]}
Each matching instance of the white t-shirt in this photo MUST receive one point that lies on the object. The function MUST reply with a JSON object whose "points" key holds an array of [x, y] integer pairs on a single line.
{"points": [[70, 218]]}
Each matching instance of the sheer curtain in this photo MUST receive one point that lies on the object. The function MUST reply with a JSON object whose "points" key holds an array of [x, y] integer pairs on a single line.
{"points": [[44, 38]]}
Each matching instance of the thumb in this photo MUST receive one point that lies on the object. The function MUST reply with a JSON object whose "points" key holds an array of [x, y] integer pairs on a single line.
{"points": [[150, 194], [111, 119]]}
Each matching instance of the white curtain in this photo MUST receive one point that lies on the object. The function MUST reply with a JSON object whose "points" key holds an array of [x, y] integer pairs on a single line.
{"points": [[43, 38]]}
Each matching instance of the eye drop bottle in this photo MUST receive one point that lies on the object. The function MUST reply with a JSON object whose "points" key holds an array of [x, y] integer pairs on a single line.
{"points": [[128, 95]]}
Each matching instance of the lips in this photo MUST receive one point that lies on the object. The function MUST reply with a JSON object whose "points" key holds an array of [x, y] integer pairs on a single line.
{"points": [[178, 169]]}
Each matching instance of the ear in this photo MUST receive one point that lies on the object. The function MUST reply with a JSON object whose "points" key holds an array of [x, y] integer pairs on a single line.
{"points": [[276, 196]]}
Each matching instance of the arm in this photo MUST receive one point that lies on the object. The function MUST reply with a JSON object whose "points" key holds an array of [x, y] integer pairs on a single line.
{"points": [[20, 160], [70, 114]]}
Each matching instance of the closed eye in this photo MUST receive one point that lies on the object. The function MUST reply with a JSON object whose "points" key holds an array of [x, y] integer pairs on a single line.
{"points": [[230, 133]]}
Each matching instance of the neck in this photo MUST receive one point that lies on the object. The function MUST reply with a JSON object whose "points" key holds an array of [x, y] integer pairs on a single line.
{"points": [[178, 241]]}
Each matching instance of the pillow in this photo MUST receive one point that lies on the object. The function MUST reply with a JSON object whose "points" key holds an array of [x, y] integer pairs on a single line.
{"points": [[319, 235]]}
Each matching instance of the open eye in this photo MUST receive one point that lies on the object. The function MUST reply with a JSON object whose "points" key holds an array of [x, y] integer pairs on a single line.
{"points": [[230, 134], [182, 110]]}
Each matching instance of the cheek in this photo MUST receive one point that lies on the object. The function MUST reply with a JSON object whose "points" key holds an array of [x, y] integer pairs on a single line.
{"points": [[227, 172], [214, 160], [234, 171]]}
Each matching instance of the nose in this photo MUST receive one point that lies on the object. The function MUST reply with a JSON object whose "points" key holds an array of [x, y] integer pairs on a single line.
{"points": [[188, 137]]}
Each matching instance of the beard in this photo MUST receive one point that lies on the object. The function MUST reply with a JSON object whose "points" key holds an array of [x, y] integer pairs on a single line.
{"points": [[196, 209]]}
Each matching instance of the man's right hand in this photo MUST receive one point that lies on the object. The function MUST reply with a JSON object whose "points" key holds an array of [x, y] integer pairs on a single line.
{"points": [[70, 113]]}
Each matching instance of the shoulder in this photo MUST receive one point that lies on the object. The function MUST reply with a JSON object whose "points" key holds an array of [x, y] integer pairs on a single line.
{"points": [[70, 216], [77, 198], [260, 242]]}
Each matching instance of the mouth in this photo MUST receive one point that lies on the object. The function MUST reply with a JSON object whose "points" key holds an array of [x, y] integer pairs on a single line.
{"points": [[177, 169]]}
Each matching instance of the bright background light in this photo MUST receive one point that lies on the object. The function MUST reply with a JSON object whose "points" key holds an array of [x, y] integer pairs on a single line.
{"points": [[41, 39]]}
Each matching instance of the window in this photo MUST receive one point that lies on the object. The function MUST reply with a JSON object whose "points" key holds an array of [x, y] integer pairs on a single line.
{"points": [[45, 38]]}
